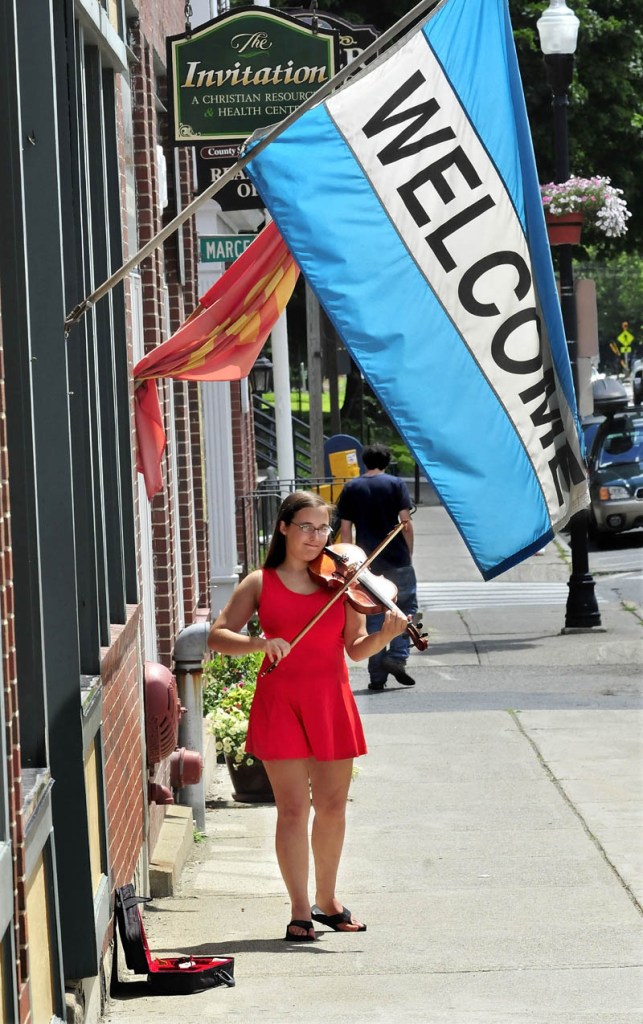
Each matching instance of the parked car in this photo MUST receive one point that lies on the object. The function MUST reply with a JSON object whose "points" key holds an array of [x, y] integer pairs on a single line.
{"points": [[615, 464], [637, 382], [590, 425], [609, 396]]}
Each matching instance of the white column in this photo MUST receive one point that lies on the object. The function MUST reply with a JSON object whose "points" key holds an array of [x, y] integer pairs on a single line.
{"points": [[217, 424], [283, 413], [281, 382]]}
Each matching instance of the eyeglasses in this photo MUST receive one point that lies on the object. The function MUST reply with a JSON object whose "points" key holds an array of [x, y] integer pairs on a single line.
{"points": [[324, 531]]}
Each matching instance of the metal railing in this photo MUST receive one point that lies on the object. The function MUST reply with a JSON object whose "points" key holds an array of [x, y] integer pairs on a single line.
{"points": [[257, 512], [266, 437]]}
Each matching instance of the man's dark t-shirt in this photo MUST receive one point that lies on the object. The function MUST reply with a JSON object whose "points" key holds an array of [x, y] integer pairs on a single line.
{"points": [[373, 504]]}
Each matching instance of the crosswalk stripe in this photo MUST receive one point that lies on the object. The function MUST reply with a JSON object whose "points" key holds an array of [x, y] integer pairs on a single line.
{"points": [[455, 596], [609, 564]]}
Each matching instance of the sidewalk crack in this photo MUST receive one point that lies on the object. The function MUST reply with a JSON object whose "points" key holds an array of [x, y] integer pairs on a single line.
{"points": [[463, 619], [563, 793]]}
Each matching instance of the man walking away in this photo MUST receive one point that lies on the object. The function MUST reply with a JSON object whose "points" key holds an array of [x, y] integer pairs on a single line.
{"points": [[374, 504]]}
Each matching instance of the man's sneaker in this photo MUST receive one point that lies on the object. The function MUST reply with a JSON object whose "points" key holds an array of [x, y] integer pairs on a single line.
{"points": [[376, 686], [398, 670]]}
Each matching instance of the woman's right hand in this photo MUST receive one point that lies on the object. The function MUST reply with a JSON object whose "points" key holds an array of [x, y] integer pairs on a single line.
{"points": [[276, 649]]}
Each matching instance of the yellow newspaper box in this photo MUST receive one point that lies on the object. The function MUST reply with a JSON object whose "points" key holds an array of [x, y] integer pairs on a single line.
{"points": [[324, 491], [344, 464]]}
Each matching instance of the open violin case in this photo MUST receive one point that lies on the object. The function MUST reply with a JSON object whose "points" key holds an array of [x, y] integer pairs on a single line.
{"points": [[175, 975]]}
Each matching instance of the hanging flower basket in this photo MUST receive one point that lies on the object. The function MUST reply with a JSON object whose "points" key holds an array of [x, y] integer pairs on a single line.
{"points": [[564, 228], [591, 202]]}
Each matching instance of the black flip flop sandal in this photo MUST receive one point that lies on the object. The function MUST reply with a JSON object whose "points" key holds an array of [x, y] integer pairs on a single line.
{"points": [[335, 920], [299, 938]]}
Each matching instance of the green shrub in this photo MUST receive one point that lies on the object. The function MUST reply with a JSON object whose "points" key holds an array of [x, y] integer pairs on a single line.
{"points": [[223, 673]]}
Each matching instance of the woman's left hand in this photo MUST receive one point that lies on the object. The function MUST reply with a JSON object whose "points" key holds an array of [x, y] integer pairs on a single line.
{"points": [[359, 644], [394, 624]]}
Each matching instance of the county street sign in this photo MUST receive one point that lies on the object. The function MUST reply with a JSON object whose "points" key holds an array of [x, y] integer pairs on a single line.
{"points": [[238, 194], [245, 70]]}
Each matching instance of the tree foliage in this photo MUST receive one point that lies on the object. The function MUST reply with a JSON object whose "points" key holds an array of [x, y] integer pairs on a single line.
{"points": [[606, 96], [606, 100], [619, 298]]}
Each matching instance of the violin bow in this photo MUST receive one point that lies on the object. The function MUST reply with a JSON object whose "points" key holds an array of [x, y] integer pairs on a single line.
{"points": [[338, 593]]}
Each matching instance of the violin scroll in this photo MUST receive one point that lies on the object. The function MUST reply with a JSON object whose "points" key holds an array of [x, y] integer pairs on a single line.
{"points": [[419, 640]]}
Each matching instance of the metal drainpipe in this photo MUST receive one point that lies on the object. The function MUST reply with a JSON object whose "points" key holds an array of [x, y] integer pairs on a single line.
{"points": [[189, 651]]}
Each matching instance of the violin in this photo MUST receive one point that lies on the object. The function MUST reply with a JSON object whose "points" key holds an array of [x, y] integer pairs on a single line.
{"points": [[341, 564], [342, 575]]}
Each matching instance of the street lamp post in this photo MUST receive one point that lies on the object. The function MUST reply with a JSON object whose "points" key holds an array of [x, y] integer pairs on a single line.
{"points": [[558, 31]]}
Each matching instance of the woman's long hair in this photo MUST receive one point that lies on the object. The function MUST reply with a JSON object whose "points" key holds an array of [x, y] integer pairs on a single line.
{"points": [[289, 506]]}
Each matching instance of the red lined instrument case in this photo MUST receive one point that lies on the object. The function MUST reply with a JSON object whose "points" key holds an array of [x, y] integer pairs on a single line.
{"points": [[176, 975]]}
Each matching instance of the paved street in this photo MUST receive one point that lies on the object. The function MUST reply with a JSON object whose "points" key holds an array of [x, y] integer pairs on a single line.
{"points": [[494, 834], [617, 566]]}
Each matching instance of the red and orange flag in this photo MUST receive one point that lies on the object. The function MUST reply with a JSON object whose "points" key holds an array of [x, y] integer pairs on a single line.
{"points": [[219, 341]]}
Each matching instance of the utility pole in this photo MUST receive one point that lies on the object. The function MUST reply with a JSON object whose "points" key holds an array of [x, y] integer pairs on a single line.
{"points": [[316, 420], [329, 338]]}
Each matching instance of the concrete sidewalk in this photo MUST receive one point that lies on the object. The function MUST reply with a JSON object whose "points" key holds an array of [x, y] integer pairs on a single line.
{"points": [[494, 833]]}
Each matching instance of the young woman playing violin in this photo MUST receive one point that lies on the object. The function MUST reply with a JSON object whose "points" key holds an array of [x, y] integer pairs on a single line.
{"points": [[304, 724]]}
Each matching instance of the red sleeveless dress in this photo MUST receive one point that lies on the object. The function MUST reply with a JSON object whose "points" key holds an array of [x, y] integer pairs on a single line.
{"points": [[305, 707]]}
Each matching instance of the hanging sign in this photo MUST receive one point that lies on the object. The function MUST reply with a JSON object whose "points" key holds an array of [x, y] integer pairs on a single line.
{"points": [[352, 38], [247, 69]]}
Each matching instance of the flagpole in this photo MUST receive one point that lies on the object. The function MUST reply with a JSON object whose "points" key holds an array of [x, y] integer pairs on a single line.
{"points": [[373, 48]]}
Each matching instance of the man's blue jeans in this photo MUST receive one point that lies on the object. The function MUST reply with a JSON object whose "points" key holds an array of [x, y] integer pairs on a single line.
{"points": [[398, 649]]}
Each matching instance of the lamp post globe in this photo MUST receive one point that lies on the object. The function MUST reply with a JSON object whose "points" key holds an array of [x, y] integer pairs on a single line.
{"points": [[558, 33], [558, 28]]}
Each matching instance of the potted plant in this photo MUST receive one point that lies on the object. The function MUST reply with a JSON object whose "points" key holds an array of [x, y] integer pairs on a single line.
{"points": [[578, 202], [229, 687]]}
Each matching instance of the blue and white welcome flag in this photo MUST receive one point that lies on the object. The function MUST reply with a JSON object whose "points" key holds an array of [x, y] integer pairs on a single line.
{"points": [[410, 201]]}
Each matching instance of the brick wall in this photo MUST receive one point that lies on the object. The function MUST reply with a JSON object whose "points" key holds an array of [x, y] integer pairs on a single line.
{"points": [[179, 536], [124, 770], [159, 19], [181, 276]]}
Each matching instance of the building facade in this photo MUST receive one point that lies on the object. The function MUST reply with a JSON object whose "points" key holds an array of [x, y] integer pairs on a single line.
{"points": [[95, 581]]}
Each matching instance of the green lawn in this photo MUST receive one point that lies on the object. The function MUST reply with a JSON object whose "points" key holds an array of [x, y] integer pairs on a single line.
{"points": [[300, 401]]}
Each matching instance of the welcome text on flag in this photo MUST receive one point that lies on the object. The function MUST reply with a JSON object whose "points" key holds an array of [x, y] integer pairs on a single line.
{"points": [[457, 191]]}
